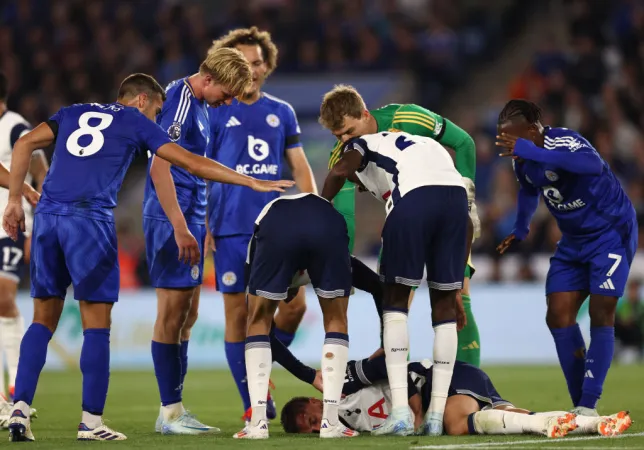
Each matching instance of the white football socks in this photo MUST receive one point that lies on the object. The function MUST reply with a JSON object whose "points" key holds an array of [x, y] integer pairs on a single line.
{"points": [[396, 342], [258, 372], [11, 331], [445, 347], [496, 421], [171, 412], [91, 420], [335, 355]]}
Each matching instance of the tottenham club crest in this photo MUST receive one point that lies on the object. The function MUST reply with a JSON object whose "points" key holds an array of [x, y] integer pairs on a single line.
{"points": [[229, 278], [273, 120], [552, 176], [174, 131]]}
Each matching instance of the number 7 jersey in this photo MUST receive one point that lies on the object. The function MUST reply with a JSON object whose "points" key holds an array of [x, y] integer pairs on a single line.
{"points": [[94, 146]]}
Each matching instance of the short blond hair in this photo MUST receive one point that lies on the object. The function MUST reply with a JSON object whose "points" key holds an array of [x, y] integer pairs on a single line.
{"points": [[341, 101], [250, 36], [228, 67]]}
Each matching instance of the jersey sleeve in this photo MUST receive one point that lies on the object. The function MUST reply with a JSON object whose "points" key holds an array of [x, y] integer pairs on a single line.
{"points": [[292, 129], [174, 114], [414, 119], [150, 135], [345, 201], [55, 121]]}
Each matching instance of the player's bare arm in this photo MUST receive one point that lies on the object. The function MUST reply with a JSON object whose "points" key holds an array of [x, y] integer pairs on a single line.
{"points": [[14, 216], [164, 184], [341, 171], [213, 171], [301, 170], [38, 169], [28, 192]]}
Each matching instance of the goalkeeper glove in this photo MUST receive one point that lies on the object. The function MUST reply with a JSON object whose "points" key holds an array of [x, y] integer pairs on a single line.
{"points": [[471, 193]]}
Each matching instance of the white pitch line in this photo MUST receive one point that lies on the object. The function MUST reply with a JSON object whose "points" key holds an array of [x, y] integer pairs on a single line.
{"points": [[532, 442]]}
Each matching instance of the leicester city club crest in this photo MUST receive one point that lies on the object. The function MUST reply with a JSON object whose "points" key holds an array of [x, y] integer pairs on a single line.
{"points": [[273, 120], [552, 176]]}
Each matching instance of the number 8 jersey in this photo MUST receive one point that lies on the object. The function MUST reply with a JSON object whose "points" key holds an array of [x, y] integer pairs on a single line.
{"points": [[94, 146]]}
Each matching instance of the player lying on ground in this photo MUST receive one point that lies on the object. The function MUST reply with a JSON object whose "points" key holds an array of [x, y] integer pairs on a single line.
{"points": [[14, 255], [344, 113], [74, 234], [594, 255], [175, 205], [474, 406], [256, 135], [292, 234], [427, 225]]}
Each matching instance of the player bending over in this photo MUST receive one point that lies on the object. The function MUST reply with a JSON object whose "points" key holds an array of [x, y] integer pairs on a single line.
{"points": [[14, 255], [426, 225], [255, 135], [344, 113], [292, 234], [594, 255], [74, 238], [474, 406]]}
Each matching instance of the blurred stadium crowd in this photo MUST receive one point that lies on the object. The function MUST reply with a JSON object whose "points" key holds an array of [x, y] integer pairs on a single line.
{"points": [[65, 51]]}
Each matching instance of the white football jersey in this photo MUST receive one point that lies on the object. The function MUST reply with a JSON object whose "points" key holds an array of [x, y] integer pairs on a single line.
{"points": [[12, 127], [396, 163]]}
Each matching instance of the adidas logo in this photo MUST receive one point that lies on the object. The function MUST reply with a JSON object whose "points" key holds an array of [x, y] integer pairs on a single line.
{"points": [[232, 122], [472, 346], [589, 374], [608, 284]]}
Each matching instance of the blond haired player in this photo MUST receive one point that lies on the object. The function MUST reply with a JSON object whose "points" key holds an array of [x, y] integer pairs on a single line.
{"points": [[344, 113], [174, 218]]}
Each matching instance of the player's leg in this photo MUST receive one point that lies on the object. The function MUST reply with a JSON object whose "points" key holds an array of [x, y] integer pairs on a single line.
{"points": [[566, 289], [288, 317], [11, 322], [469, 341], [230, 258], [49, 281], [608, 276], [445, 254]]}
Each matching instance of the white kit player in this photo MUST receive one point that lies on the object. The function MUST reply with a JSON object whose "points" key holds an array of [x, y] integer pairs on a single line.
{"points": [[427, 225], [13, 255]]}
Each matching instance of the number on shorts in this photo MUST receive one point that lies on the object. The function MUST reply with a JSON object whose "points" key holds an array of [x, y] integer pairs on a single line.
{"points": [[618, 259], [84, 128], [10, 262]]}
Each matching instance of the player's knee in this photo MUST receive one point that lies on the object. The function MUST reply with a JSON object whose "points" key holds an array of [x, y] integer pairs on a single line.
{"points": [[559, 318], [443, 305], [602, 312], [47, 312], [293, 313], [455, 427]]}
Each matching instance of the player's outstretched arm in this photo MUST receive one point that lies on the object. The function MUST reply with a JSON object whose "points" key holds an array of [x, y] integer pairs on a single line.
{"points": [[38, 168], [343, 169], [40, 137], [28, 192], [527, 203], [213, 171], [301, 170]]}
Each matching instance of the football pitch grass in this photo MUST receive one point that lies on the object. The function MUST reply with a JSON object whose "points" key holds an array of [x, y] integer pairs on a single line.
{"points": [[133, 405]]}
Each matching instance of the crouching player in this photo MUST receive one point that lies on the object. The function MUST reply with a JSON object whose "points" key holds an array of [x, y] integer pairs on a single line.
{"points": [[292, 234], [474, 406]]}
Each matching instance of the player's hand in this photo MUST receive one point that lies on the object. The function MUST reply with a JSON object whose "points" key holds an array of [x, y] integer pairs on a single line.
{"points": [[506, 141], [13, 219], [271, 186], [188, 247], [505, 244], [317, 383], [31, 195], [461, 318]]}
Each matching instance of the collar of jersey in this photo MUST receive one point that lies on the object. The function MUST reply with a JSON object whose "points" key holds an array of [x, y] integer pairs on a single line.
{"points": [[185, 81]]}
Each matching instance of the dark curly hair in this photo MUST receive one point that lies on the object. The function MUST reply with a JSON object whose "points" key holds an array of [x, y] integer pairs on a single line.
{"points": [[293, 408], [520, 108]]}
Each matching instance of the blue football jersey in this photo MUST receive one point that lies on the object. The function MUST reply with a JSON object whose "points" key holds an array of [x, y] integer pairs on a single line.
{"points": [[584, 206], [251, 139], [95, 145], [186, 121]]}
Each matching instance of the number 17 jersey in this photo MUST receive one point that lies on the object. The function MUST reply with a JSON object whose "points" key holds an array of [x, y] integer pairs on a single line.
{"points": [[94, 146]]}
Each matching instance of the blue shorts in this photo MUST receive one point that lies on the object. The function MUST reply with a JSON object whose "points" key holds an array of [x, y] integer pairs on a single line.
{"points": [[306, 233], [13, 258], [74, 250], [230, 260], [166, 271], [466, 380], [599, 266], [426, 227]]}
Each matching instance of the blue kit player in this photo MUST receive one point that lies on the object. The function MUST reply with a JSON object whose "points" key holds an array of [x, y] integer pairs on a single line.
{"points": [[255, 135], [295, 233], [427, 226], [174, 217], [599, 239], [74, 237]]}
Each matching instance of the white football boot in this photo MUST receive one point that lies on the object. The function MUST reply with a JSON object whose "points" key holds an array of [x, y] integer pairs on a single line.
{"points": [[259, 431], [20, 424], [338, 431], [186, 423], [558, 427], [100, 433], [398, 423]]}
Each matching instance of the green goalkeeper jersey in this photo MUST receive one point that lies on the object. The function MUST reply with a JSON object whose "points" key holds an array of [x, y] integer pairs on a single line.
{"points": [[412, 119]]}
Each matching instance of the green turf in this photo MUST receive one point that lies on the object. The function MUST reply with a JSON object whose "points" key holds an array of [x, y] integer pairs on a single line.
{"points": [[132, 408]]}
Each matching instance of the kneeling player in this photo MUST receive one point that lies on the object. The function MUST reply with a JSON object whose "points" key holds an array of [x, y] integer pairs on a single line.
{"points": [[292, 234], [474, 406]]}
